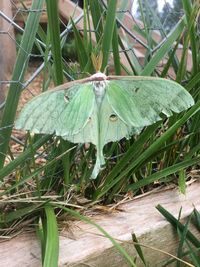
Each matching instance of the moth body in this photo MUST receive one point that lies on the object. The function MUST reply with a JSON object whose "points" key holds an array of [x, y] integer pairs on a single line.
{"points": [[99, 89], [99, 86]]}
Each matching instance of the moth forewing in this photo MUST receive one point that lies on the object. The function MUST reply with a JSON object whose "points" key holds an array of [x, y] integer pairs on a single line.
{"points": [[77, 112], [40, 115]]}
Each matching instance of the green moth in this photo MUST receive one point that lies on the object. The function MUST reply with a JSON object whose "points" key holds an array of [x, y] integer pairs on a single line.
{"points": [[102, 109]]}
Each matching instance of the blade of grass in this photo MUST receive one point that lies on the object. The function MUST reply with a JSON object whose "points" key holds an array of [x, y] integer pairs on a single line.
{"points": [[188, 8], [54, 31], [115, 243], [9, 217], [80, 48], [161, 52], [41, 237], [32, 175], [12, 100], [183, 235], [97, 18], [115, 46], [193, 255], [182, 181], [52, 239], [163, 173], [197, 218], [176, 224], [23, 157], [172, 55], [108, 32], [194, 81], [138, 248]]}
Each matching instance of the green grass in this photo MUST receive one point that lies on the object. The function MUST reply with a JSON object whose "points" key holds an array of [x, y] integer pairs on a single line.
{"points": [[189, 244], [163, 151]]}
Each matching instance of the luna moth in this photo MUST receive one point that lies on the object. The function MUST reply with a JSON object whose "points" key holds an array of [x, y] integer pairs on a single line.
{"points": [[102, 109]]}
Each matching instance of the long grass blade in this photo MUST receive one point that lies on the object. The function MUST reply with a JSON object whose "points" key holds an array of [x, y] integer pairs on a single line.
{"points": [[189, 10], [14, 93], [175, 223], [108, 32], [164, 173], [54, 30], [51, 238], [166, 47], [138, 248], [22, 158], [89, 221], [81, 50], [97, 18]]}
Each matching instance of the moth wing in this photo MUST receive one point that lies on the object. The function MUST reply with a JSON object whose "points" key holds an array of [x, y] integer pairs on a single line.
{"points": [[40, 115], [89, 133], [52, 112], [78, 111], [101, 128], [124, 105], [149, 97], [112, 127]]}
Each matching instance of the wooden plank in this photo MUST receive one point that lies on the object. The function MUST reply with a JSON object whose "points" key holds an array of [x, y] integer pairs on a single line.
{"points": [[7, 45], [82, 245]]}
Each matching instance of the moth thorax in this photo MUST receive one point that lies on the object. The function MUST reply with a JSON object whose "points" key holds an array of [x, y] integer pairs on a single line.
{"points": [[99, 90]]}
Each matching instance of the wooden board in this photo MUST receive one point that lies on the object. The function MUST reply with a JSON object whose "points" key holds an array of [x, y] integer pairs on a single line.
{"points": [[82, 245]]}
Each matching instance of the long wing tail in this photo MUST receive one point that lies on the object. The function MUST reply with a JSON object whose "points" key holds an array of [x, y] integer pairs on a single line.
{"points": [[99, 165]]}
